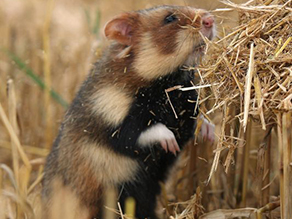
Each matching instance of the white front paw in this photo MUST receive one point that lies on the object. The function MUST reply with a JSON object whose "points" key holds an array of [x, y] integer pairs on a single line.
{"points": [[207, 130], [159, 133]]}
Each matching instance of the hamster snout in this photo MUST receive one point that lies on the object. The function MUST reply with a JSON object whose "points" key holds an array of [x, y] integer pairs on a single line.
{"points": [[208, 21], [208, 26]]}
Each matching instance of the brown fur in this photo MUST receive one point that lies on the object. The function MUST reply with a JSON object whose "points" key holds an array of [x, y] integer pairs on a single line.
{"points": [[81, 165]]}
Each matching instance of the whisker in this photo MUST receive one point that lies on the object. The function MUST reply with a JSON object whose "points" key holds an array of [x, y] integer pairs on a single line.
{"points": [[185, 3], [212, 6], [186, 16]]}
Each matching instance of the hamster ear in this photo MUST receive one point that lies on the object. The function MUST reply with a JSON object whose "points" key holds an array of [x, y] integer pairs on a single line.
{"points": [[119, 29]]}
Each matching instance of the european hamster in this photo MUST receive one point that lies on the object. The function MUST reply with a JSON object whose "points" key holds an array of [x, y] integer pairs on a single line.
{"points": [[123, 130]]}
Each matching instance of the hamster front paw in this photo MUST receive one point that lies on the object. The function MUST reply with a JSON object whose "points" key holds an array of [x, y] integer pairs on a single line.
{"points": [[207, 131], [159, 133]]}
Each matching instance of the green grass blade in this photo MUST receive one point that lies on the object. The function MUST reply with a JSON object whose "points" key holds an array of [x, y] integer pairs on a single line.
{"points": [[97, 22], [30, 73], [93, 23]]}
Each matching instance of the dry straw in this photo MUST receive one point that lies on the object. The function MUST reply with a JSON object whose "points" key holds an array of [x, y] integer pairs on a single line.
{"points": [[253, 63], [250, 71]]}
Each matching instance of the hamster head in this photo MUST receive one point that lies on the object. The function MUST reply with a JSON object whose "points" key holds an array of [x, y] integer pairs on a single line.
{"points": [[160, 40]]}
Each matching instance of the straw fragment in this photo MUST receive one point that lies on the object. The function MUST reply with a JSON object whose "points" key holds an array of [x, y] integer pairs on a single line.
{"points": [[248, 81]]}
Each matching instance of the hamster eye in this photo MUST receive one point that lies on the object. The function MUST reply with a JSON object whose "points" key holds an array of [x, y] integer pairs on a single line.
{"points": [[169, 19]]}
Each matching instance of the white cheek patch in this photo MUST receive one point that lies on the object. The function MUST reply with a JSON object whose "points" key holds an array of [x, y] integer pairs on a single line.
{"points": [[159, 133], [151, 64]]}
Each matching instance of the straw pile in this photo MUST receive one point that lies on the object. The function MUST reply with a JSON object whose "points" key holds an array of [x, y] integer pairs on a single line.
{"points": [[251, 67], [250, 75]]}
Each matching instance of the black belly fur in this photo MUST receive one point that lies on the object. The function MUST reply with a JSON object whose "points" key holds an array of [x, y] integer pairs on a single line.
{"points": [[152, 106]]}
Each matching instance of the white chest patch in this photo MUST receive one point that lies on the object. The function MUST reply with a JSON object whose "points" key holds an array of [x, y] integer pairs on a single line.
{"points": [[112, 104]]}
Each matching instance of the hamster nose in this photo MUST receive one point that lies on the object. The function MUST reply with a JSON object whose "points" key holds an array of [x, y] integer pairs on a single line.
{"points": [[208, 21]]}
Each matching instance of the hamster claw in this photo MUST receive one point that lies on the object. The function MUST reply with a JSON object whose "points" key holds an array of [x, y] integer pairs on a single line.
{"points": [[159, 133], [170, 145], [207, 131]]}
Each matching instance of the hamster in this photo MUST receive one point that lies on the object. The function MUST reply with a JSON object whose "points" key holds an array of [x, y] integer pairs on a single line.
{"points": [[123, 130]]}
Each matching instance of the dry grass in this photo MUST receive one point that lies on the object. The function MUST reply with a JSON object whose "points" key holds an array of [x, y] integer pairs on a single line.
{"points": [[52, 41], [250, 72], [252, 66], [57, 40]]}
